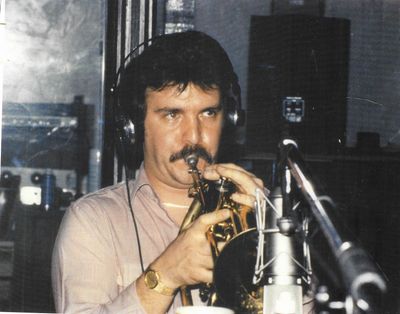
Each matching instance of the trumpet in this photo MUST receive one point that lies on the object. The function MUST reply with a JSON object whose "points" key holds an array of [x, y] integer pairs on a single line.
{"points": [[234, 264]]}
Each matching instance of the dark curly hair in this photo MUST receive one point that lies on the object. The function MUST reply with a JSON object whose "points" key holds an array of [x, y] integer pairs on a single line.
{"points": [[176, 60]]}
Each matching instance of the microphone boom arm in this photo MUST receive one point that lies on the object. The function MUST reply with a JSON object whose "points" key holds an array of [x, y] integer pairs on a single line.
{"points": [[360, 275]]}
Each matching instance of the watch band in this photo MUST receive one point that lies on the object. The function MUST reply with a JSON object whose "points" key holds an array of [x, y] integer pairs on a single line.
{"points": [[153, 282]]}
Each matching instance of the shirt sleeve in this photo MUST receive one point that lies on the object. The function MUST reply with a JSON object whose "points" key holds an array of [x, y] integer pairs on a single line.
{"points": [[84, 267]]}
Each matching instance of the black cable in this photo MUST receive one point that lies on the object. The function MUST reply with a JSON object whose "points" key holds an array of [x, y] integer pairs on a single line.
{"points": [[133, 219], [117, 109], [122, 148]]}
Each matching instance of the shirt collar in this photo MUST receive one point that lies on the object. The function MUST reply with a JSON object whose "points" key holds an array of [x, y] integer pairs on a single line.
{"points": [[141, 183]]}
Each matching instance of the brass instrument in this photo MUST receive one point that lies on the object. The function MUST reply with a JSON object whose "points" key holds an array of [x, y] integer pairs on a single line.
{"points": [[234, 265]]}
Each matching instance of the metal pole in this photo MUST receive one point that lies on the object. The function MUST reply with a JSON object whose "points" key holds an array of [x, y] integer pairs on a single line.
{"points": [[2, 60], [361, 277]]}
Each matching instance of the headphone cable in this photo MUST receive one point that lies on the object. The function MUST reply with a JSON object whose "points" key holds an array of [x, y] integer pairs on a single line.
{"points": [[133, 219], [115, 105]]}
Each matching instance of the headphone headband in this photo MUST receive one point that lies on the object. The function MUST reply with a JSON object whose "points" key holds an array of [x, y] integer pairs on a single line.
{"points": [[130, 132]]}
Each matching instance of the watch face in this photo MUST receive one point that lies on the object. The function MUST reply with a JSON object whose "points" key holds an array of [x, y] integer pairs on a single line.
{"points": [[151, 279]]}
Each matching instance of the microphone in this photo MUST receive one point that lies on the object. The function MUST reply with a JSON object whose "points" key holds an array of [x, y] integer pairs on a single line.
{"points": [[284, 272]]}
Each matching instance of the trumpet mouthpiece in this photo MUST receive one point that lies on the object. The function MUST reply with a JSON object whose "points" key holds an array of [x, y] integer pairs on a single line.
{"points": [[192, 160]]}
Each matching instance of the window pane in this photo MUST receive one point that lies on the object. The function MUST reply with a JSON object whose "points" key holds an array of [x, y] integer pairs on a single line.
{"points": [[51, 135]]}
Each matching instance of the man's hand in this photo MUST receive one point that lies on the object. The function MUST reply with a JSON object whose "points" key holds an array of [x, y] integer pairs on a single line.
{"points": [[246, 182], [186, 261], [188, 258]]}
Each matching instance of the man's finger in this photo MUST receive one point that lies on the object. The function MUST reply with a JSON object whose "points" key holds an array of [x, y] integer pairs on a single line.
{"points": [[206, 220], [245, 181], [213, 172], [244, 199]]}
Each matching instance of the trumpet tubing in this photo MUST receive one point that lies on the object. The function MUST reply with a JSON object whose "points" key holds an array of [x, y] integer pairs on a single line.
{"points": [[209, 196]]}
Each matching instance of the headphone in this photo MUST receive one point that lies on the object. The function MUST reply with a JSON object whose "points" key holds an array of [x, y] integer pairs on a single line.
{"points": [[125, 129], [130, 132]]}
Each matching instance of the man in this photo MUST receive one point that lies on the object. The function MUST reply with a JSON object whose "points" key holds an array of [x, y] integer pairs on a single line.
{"points": [[179, 91]]}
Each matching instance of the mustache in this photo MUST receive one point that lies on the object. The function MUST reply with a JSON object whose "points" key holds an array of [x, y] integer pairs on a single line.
{"points": [[200, 151]]}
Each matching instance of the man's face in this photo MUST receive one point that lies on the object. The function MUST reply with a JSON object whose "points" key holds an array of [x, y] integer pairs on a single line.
{"points": [[176, 120]]}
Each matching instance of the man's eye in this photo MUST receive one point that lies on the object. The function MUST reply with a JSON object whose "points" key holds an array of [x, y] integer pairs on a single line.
{"points": [[210, 112], [171, 115]]}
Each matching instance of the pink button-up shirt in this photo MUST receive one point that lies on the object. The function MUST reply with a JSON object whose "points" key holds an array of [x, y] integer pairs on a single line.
{"points": [[96, 259]]}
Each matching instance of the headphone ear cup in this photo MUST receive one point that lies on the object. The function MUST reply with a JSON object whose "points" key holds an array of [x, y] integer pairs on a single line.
{"points": [[125, 130], [235, 114], [126, 137]]}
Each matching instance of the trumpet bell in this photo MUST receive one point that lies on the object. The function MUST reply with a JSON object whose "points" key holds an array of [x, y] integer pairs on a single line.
{"points": [[233, 275]]}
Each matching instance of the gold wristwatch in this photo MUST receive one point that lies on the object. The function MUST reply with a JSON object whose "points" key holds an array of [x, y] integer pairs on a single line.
{"points": [[153, 282]]}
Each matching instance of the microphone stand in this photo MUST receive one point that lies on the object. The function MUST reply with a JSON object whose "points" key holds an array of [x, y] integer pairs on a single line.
{"points": [[363, 282], [287, 270]]}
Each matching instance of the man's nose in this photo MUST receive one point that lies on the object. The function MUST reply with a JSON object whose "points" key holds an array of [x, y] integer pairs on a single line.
{"points": [[192, 131]]}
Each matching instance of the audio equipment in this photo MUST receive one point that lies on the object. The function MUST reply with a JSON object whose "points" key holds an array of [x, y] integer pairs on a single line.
{"points": [[297, 82], [362, 280], [287, 262], [125, 128], [283, 261], [55, 134]]}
